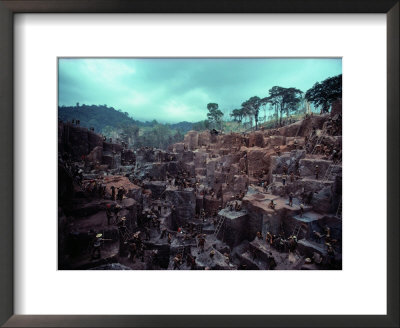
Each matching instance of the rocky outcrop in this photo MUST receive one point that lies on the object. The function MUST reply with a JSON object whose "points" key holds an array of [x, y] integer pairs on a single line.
{"points": [[184, 203]]}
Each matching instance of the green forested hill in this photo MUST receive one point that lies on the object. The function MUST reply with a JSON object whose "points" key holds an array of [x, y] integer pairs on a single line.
{"points": [[95, 116], [107, 120]]}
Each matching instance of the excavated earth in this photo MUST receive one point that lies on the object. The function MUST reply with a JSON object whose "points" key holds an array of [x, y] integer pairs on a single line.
{"points": [[215, 188]]}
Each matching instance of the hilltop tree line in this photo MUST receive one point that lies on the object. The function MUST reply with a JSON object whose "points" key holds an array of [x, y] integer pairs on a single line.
{"points": [[282, 101], [114, 123]]}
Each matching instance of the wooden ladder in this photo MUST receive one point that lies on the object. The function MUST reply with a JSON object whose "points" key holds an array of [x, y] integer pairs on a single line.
{"points": [[219, 225], [318, 140], [329, 170], [296, 230]]}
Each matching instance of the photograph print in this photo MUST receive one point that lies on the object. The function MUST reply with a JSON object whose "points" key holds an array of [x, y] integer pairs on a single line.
{"points": [[199, 163]]}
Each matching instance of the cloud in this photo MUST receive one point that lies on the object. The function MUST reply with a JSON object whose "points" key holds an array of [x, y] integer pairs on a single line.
{"points": [[173, 90]]}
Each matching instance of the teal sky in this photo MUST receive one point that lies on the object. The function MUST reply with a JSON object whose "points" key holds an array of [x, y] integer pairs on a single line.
{"points": [[174, 90]]}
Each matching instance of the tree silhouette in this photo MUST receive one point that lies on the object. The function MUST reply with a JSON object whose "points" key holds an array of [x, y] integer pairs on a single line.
{"points": [[237, 115], [286, 99], [252, 107], [214, 115], [324, 93]]}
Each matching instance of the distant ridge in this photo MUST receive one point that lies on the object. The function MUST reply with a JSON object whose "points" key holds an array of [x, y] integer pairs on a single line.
{"points": [[101, 116]]}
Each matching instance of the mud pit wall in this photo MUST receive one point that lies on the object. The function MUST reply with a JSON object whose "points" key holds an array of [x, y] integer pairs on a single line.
{"points": [[184, 202], [238, 226]]}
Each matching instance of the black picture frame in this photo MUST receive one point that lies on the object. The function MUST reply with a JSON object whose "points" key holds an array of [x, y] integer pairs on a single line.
{"points": [[10, 7]]}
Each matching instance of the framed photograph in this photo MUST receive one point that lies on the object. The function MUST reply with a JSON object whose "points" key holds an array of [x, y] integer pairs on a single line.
{"points": [[199, 164]]}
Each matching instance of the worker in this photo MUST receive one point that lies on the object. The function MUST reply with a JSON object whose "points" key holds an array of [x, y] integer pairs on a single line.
{"points": [[112, 192], [271, 204], [317, 236], [147, 233], [269, 238], [328, 231], [96, 253], [271, 261], [108, 214], [284, 177], [316, 172], [331, 253], [202, 214], [285, 169], [201, 242], [227, 258], [292, 243], [238, 207], [317, 258], [291, 199], [192, 262], [230, 206], [177, 261], [301, 209], [120, 194], [307, 260], [132, 251], [295, 143]]}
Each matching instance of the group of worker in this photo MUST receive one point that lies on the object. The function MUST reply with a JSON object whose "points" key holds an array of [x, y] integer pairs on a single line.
{"points": [[72, 168], [333, 125], [112, 211], [279, 242], [234, 206], [120, 193], [182, 180], [96, 241], [150, 218], [95, 188], [136, 247]]}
